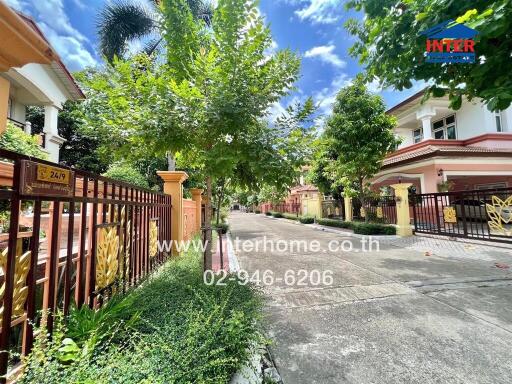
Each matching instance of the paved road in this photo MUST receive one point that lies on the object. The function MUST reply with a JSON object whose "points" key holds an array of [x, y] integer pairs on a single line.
{"points": [[394, 316]]}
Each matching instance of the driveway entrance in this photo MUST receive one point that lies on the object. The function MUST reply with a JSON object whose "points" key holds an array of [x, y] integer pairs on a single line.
{"points": [[401, 315]]}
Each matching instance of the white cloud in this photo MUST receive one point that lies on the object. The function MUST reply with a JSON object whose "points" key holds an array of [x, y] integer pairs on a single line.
{"points": [[51, 17], [320, 11], [326, 54], [19, 5], [275, 111], [80, 4], [70, 49], [325, 97]]}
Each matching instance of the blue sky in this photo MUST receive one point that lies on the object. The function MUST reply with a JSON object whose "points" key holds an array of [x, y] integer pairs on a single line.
{"points": [[312, 28]]}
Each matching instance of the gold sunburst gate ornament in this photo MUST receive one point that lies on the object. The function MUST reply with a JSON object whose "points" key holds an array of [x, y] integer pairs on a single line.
{"points": [[20, 291], [362, 212], [380, 214], [449, 215], [107, 262], [153, 238], [499, 213]]}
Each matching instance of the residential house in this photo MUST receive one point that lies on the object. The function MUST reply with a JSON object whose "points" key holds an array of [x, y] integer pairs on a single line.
{"points": [[39, 81], [467, 149]]}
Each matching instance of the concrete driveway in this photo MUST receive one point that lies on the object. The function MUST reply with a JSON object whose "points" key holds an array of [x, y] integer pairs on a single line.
{"points": [[399, 315]]}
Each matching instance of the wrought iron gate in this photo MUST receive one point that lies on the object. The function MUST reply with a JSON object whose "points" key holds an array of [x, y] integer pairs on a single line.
{"points": [[477, 214]]}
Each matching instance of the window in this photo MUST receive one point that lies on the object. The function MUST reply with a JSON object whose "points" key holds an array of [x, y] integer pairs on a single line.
{"points": [[444, 129], [417, 135], [499, 122], [491, 186]]}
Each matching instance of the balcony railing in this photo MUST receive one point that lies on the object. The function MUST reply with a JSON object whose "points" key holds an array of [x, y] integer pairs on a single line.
{"points": [[17, 123]]}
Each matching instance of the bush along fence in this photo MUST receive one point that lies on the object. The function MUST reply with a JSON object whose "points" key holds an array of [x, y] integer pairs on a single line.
{"points": [[70, 237]]}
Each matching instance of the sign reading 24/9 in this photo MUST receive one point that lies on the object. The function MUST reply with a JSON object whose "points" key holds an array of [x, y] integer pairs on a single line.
{"points": [[52, 174], [37, 179]]}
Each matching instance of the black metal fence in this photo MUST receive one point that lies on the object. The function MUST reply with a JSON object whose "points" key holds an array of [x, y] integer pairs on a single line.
{"points": [[478, 214]]}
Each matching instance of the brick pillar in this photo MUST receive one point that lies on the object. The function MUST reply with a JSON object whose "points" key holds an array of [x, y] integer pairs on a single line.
{"points": [[348, 208], [196, 196], [403, 218], [173, 185]]}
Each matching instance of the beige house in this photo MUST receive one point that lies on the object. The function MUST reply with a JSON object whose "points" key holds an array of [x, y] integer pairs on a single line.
{"points": [[38, 78]]}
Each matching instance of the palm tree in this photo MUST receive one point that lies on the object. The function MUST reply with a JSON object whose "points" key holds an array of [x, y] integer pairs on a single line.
{"points": [[123, 21]]}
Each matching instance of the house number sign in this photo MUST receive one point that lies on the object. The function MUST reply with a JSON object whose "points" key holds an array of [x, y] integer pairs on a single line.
{"points": [[46, 180]]}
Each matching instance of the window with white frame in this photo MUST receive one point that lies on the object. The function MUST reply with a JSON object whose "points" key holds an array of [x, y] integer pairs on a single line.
{"points": [[444, 129], [499, 121], [417, 135]]}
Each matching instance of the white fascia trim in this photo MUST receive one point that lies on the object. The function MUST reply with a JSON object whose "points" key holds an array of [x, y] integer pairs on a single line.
{"points": [[441, 161], [420, 176], [475, 173]]}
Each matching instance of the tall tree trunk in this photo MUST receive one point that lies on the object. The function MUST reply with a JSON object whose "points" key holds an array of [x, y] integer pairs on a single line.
{"points": [[362, 199], [220, 196], [208, 225], [171, 162]]}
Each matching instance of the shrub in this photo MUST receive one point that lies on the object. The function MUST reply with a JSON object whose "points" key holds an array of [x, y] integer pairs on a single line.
{"points": [[307, 220], [374, 229], [257, 211], [360, 228], [335, 223], [188, 332], [15, 139], [125, 172], [290, 216], [224, 227], [268, 213], [277, 215]]}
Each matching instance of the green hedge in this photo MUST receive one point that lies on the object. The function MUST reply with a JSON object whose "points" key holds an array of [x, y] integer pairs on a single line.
{"points": [[257, 211], [172, 329], [277, 214], [268, 213], [307, 219], [360, 228], [291, 216]]}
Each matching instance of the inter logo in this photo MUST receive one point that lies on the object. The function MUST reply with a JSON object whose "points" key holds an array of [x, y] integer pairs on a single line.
{"points": [[450, 42]]}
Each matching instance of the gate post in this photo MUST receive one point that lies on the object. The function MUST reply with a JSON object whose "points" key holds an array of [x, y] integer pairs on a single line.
{"points": [[173, 185], [348, 208], [403, 217], [196, 196]]}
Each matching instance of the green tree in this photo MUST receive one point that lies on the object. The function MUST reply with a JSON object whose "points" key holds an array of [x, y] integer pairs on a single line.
{"points": [[321, 175], [15, 139], [126, 172], [121, 22], [208, 102], [81, 147], [357, 135], [392, 49]]}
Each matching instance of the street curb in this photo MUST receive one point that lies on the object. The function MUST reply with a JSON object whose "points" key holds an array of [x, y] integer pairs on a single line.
{"points": [[234, 265]]}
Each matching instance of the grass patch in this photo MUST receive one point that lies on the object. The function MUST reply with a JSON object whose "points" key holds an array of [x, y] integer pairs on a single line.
{"points": [[173, 329], [360, 228]]}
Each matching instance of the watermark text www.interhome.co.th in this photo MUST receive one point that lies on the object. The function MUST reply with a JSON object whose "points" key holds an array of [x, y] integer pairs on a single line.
{"points": [[266, 245]]}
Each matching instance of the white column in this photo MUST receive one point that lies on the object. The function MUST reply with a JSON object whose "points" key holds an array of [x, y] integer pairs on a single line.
{"points": [[426, 123], [425, 114], [53, 140]]}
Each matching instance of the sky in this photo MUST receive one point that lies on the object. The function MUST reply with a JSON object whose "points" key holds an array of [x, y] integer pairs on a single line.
{"points": [[311, 28]]}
